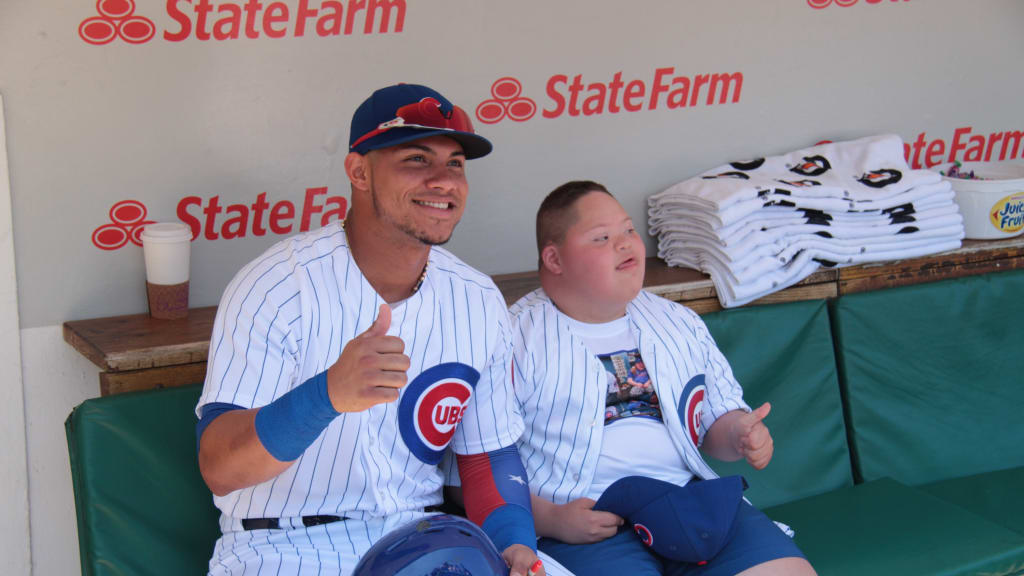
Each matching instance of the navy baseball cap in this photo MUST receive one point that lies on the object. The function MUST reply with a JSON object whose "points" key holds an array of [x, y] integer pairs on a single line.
{"points": [[405, 112], [689, 523]]}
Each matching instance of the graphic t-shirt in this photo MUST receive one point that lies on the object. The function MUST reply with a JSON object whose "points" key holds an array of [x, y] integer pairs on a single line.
{"points": [[636, 441]]}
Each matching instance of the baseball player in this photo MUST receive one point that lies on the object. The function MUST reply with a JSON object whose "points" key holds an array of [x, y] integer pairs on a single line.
{"points": [[345, 361], [589, 323]]}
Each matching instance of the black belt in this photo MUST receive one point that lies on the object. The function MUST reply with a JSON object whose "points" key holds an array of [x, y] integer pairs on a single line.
{"points": [[307, 521], [275, 523]]}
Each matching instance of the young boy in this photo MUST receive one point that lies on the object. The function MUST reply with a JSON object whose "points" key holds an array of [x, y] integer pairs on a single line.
{"points": [[613, 381]]}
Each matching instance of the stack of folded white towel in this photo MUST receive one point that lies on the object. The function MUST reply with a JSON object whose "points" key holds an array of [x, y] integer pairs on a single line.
{"points": [[760, 226]]}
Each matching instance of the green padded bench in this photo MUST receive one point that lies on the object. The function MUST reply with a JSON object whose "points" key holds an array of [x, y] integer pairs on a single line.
{"points": [[895, 417], [783, 354], [142, 506], [933, 391]]}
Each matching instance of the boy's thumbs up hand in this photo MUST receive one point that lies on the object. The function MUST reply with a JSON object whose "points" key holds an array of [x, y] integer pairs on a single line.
{"points": [[371, 369], [752, 439]]}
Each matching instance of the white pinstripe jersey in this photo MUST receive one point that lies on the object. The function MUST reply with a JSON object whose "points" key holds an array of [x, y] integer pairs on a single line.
{"points": [[560, 386], [287, 316]]}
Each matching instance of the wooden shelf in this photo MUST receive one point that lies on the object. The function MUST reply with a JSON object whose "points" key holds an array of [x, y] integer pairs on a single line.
{"points": [[137, 352]]}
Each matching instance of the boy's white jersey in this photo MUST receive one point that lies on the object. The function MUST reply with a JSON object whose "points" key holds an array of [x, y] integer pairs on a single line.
{"points": [[560, 387], [287, 316]]}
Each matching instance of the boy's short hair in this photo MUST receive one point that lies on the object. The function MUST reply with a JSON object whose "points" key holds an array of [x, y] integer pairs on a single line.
{"points": [[556, 215]]}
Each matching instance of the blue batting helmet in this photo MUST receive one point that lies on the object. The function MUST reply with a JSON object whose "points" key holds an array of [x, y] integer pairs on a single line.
{"points": [[435, 546]]}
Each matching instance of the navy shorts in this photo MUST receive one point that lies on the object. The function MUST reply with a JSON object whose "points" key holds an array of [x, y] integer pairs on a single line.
{"points": [[756, 540]]}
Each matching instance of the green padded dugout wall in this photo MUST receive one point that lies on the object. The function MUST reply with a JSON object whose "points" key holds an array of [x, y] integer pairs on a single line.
{"points": [[783, 354], [142, 506], [911, 359]]}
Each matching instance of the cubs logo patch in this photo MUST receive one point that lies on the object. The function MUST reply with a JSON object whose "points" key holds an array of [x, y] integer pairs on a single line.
{"points": [[432, 406], [691, 403], [645, 535]]}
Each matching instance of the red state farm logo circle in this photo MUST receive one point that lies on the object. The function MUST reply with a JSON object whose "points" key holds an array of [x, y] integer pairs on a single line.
{"points": [[439, 409], [507, 101], [116, 19], [128, 218]]}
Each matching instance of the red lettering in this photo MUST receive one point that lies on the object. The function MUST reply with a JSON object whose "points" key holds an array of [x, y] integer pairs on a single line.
{"points": [[454, 416], [338, 213], [188, 218], [918, 145], [934, 153], [698, 80], [725, 80], [304, 13], [182, 20], [441, 414], [632, 100], [233, 23], [354, 6], [276, 13], [202, 10], [236, 226], [330, 23], [957, 146], [385, 7], [212, 210], [613, 98], [257, 214], [677, 98], [252, 8], [594, 104], [282, 211], [992, 139], [309, 207], [556, 96], [574, 94], [1015, 136], [659, 87]]}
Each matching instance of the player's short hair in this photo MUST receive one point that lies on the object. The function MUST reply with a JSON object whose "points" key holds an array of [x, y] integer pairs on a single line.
{"points": [[556, 213]]}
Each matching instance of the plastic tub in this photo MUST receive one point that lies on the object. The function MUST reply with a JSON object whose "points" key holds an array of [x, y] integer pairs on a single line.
{"points": [[992, 200]]}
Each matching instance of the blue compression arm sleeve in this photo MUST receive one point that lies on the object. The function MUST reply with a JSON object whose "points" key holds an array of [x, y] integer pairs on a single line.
{"points": [[497, 496]]}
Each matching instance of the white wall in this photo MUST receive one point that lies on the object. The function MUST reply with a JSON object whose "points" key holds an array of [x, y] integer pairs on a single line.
{"points": [[14, 541], [168, 119]]}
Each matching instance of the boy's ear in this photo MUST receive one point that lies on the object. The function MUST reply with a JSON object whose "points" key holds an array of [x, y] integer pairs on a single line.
{"points": [[358, 170], [551, 259]]}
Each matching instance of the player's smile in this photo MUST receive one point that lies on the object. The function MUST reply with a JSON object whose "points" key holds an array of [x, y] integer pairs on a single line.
{"points": [[420, 188]]}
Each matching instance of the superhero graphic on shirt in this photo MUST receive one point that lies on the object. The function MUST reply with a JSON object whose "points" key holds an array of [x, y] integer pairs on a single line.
{"points": [[630, 390]]}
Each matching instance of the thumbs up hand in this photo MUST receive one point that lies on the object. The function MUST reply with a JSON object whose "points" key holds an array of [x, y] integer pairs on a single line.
{"points": [[752, 439], [371, 369]]}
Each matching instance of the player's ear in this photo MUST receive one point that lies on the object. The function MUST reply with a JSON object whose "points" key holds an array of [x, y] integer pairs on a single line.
{"points": [[357, 168], [551, 259]]}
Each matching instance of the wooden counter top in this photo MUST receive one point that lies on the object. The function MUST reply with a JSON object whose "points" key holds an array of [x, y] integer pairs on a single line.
{"points": [[136, 351]]}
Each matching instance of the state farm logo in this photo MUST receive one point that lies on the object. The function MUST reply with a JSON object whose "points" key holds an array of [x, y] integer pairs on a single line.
{"points": [[819, 4], [579, 96], [116, 20], [224, 20], [127, 218], [214, 221], [507, 101]]}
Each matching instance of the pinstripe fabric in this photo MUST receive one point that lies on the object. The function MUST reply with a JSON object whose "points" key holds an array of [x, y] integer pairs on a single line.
{"points": [[560, 387], [286, 317]]}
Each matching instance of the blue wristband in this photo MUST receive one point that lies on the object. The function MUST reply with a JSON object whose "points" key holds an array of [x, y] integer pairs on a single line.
{"points": [[288, 425], [511, 524]]}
